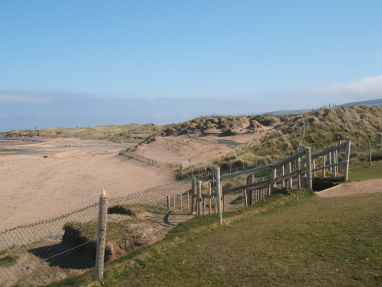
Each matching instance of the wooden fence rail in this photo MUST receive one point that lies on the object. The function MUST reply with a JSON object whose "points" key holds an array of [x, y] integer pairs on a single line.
{"points": [[174, 166], [300, 166]]}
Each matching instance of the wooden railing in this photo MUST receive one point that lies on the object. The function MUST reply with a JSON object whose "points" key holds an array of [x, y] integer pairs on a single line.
{"points": [[301, 165]]}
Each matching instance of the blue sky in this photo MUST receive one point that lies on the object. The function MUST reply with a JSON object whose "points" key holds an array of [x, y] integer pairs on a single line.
{"points": [[88, 63]]}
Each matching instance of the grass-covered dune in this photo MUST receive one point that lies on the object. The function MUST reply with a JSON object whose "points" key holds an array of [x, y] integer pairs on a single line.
{"points": [[132, 133], [326, 127]]}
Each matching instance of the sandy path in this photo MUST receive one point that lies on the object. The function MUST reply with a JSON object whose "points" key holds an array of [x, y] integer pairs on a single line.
{"points": [[35, 188], [352, 188], [181, 148]]}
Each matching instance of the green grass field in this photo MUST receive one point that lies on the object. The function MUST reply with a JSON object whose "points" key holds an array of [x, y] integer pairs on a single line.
{"points": [[334, 242], [287, 240]]}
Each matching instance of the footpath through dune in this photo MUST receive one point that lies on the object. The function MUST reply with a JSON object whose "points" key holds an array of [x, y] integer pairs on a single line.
{"points": [[353, 188], [182, 148]]}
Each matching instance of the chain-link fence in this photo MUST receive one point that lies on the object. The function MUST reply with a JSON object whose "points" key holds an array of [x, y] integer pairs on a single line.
{"points": [[51, 250], [39, 253]]}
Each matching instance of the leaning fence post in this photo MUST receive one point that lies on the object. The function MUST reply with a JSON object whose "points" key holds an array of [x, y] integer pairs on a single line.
{"points": [[219, 194], [101, 235], [347, 158], [308, 158]]}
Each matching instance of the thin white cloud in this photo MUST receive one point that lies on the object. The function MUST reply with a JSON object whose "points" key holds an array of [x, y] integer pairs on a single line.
{"points": [[22, 97], [364, 89]]}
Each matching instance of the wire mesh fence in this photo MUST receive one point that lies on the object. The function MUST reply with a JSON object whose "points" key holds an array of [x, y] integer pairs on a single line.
{"points": [[51, 250], [37, 254]]}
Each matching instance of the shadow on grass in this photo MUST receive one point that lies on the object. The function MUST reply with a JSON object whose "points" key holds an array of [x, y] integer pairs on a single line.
{"points": [[65, 257]]}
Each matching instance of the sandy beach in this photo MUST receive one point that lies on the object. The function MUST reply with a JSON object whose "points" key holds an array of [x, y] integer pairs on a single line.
{"points": [[73, 172], [34, 188]]}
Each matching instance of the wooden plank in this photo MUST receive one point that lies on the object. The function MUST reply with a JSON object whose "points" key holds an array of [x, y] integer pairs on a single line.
{"points": [[289, 159], [246, 171], [245, 186], [326, 151], [326, 166]]}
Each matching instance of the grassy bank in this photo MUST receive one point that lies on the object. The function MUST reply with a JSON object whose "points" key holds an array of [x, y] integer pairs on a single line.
{"points": [[362, 170], [185, 231], [331, 242], [288, 239]]}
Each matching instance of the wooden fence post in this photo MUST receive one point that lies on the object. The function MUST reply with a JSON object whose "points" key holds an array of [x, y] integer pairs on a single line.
{"points": [[347, 158], [290, 181], [330, 160], [250, 180], [219, 194], [193, 197], [168, 202], [199, 211], [188, 201], [174, 203], [298, 173], [308, 157], [273, 179], [323, 164], [181, 201], [245, 198], [101, 235], [282, 176], [210, 200]]}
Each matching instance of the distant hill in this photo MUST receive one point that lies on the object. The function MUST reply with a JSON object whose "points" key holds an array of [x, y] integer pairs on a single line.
{"points": [[377, 102]]}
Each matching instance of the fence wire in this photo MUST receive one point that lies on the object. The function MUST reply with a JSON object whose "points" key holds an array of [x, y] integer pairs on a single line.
{"points": [[51, 250]]}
